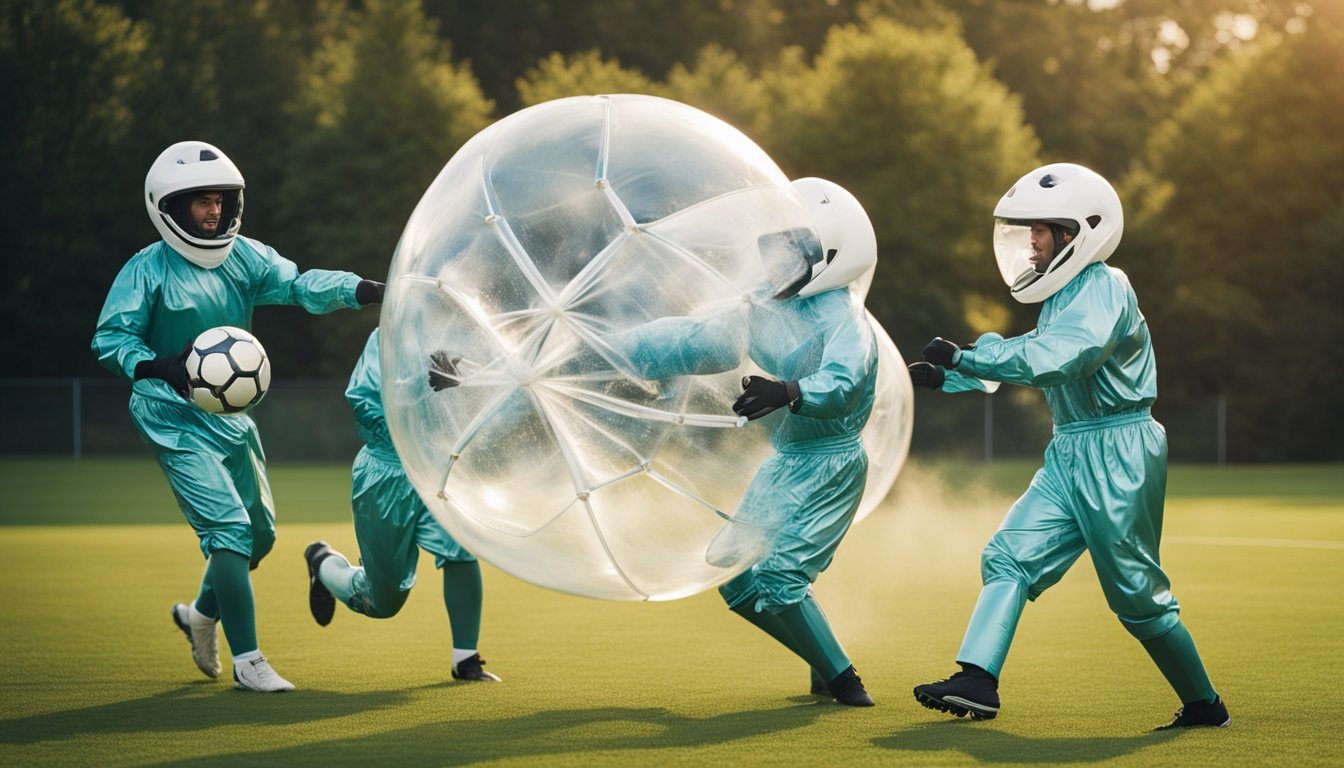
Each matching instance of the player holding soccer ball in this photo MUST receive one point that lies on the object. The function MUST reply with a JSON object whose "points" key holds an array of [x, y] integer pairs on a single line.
{"points": [[202, 274], [1105, 476], [393, 525]]}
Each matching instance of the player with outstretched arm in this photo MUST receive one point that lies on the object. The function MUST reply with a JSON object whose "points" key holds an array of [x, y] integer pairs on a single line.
{"points": [[1103, 485], [201, 275]]}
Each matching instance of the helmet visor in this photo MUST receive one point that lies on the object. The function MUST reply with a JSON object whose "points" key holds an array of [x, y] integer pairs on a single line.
{"points": [[789, 258], [227, 223], [1018, 261]]}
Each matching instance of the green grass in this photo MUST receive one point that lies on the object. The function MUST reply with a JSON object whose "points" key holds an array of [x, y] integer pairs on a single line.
{"points": [[92, 671]]}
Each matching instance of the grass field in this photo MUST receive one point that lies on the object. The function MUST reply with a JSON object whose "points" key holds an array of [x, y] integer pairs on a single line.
{"points": [[92, 671]]}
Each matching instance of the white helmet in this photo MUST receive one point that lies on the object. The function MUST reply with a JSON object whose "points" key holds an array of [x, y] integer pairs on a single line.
{"points": [[1069, 198], [848, 244], [189, 167]]}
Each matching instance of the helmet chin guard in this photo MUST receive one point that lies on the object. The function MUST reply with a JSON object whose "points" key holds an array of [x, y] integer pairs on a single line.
{"points": [[848, 243], [187, 168], [1067, 197]]}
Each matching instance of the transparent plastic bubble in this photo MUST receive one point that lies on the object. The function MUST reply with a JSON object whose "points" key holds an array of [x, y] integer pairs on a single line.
{"points": [[550, 241]]}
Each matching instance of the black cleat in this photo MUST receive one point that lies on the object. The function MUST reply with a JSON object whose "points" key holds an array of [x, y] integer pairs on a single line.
{"points": [[320, 600], [848, 689], [819, 686], [1200, 714], [972, 691], [469, 669]]}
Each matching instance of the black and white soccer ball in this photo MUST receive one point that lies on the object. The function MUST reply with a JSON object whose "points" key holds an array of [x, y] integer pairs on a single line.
{"points": [[228, 370]]}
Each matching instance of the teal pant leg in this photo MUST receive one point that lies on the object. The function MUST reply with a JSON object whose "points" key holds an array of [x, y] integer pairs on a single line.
{"points": [[228, 572], [1120, 492], [1178, 659], [206, 601], [463, 597], [741, 596], [208, 499], [247, 466], [813, 635], [386, 510], [216, 470], [1036, 544]]}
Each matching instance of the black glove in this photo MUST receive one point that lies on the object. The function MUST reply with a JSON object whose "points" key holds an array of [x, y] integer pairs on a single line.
{"points": [[170, 368], [369, 292], [761, 396], [942, 352], [443, 371], [927, 375]]}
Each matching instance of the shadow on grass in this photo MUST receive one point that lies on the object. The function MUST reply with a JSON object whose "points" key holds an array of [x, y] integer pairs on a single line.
{"points": [[535, 735], [986, 744], [194, 707]]}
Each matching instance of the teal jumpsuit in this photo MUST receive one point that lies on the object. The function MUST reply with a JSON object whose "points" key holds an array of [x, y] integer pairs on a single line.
{"points": [[392, 524], [1104, 481], [215, 465], [811, 487]]}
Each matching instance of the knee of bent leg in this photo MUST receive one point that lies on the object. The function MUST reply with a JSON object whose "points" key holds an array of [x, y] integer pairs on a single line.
{"points": [[378, 606], [740, 591], [262, 542], [999, 563], [1151, 619]]}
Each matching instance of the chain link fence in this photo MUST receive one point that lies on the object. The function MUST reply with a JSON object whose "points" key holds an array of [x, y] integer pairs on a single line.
{"points": [[309, 420]]}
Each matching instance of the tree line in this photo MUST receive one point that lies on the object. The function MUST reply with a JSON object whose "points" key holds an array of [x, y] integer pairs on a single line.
{"points": [[1219, 122]]}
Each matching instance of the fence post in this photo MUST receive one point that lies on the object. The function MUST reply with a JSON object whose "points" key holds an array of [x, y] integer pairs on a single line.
{"points": [[1222, 429], [76, 414], [989, 428]]}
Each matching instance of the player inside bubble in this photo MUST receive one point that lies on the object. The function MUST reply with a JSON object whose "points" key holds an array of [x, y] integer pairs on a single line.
{"points": [[547, 238]]}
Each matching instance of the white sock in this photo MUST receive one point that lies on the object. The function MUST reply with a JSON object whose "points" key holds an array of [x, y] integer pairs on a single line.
{"points": [[196, 617], [243, 658], [462, 654]]}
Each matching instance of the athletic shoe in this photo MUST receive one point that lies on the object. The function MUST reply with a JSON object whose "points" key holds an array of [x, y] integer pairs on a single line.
{"points": [[203, 635], [972, 691], [320, 600], [819, 686], [848, 689], [257, 675], [1199, 714], [469, 669]]}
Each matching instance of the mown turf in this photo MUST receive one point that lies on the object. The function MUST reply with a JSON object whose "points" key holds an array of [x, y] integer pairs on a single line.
{"points": [[92, 671]]}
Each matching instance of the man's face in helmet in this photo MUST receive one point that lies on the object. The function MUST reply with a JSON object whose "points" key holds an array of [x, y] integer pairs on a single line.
{"points": [[1043, 244], [205, 210]]}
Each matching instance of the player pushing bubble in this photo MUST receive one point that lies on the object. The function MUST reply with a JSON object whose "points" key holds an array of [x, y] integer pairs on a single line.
{"points": [[810, 336], [1104, 481], [393, 525], [203, 274]]}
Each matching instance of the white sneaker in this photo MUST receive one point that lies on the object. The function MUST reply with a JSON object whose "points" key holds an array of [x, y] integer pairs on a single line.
{"points": [[202, 632], [257, 675]]}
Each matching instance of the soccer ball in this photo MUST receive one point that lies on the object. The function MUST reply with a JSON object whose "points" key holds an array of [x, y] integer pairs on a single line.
{"points": [[228, 370]]}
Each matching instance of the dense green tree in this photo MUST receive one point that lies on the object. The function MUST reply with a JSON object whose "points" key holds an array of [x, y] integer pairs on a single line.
{"points": [[503, 39], [1239, 216], [921, 132], [721, 84], [381, 110], [580, 74], [228, 74], [70, 193]]}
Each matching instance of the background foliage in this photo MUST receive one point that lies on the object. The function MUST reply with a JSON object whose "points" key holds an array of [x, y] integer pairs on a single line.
{"points": [[1220, 121]]}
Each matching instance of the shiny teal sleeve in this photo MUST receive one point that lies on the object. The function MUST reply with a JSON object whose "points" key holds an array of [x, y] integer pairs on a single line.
{"points": [[956, 381], [848, 357], [1072, 345], [119, 340], [365, 395], [318, 291], [681, 346]]}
